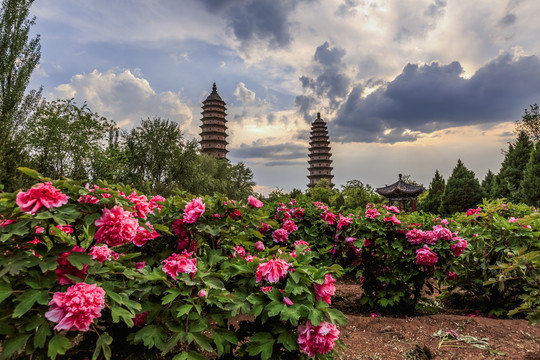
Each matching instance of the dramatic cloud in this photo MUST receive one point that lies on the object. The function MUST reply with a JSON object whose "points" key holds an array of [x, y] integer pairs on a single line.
{"points": [[124, 98], [257, 20], [330, 86], [426, 98]]}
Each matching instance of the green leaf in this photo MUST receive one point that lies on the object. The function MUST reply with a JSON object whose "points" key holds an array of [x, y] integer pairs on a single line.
{"points": [[151, 335], [59, 344], [201, 340], [274, 308], [198, 326], [172, 294], [316, 316], [77, 259], [102, 345], [5, 291], [336, 317], [42, 333], [184, 309], [25, 302], [14, 344], [223, 340], [289, 340], [261, 343], [31, 173], [118, 312], [214, 283]]}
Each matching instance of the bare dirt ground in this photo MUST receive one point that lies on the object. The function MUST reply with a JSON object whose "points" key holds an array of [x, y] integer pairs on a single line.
{"points": [[401, 338]]}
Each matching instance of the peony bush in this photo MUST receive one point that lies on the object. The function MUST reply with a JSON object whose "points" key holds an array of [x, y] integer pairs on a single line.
{"points": [[93, 272]]}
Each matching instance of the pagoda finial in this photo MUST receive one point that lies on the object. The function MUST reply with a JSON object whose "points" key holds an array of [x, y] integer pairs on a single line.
{"points": [[214, 89], [318, 115], [400, 177]]}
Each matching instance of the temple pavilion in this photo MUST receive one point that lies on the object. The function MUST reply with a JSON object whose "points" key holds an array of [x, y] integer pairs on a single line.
{"points": [[401, 194]]}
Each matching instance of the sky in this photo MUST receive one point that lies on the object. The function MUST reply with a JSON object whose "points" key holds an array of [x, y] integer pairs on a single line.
{"points": [[405, 86]]}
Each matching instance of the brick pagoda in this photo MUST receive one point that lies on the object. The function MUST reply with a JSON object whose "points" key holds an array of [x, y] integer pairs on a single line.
{"points": [[214, 129], [320, 162]]}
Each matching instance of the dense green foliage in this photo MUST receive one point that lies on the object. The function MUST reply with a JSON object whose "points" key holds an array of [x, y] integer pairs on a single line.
{"points": [[530, 185], [19, 56], [432, 202], [462, 191]]}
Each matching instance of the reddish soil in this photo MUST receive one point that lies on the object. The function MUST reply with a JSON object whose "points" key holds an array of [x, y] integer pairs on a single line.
{"points": [[404, 338]]}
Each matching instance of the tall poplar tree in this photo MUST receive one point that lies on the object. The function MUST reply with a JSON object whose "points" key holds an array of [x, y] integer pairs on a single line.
{"points": [[432, 201], [462, 191], [19, 56]]}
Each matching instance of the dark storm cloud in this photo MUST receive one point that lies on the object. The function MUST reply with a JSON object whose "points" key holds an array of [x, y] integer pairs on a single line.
{"points": [[255, 20], [432, 97], [332, 83], [260, 149], [507, 20]]}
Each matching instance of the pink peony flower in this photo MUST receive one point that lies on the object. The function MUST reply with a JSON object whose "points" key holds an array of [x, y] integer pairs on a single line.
{"points": [[326, 289], [393, 219], [193, 210], [176, 264], [64, 267], [452, 275], [254, 202], [320, 339], [290, 226], [272, 271], [116, 227], [298, 213], [65, 228], [249, 258], [430, 237], [424, 256], [343, 221], [153, 203], [264, 228], [143, 235], [442, 232], [102, 253], [288, 301], [372, 213], [329, 218], [77, 307], [259, 246], [373, 315], [513, 219], [186, 244], [140, 319], [280, 235], [239, 251], [5, 222], [458, 247], [266, 289], [350, 241], [140, 205], [415, 236], [179, 228], [139, 265], [44, 194], [391, 208], [202, 294], [367, 242]]}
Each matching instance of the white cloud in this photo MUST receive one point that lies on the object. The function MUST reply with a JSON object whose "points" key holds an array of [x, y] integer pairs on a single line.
{"points": [[124, 98], [243, 94]]}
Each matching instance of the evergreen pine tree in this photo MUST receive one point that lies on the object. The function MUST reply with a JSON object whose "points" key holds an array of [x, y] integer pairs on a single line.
{"points": [[530, 185], [487, 185], [462, 191], [432, 201], [508, 180]]}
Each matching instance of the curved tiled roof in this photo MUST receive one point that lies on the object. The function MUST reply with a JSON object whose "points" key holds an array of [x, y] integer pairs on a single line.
{"points": [[400, 189], [214, 95]]}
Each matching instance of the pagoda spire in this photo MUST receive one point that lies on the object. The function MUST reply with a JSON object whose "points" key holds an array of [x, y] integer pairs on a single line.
{"points": [[214, 126], [320, 162]]}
